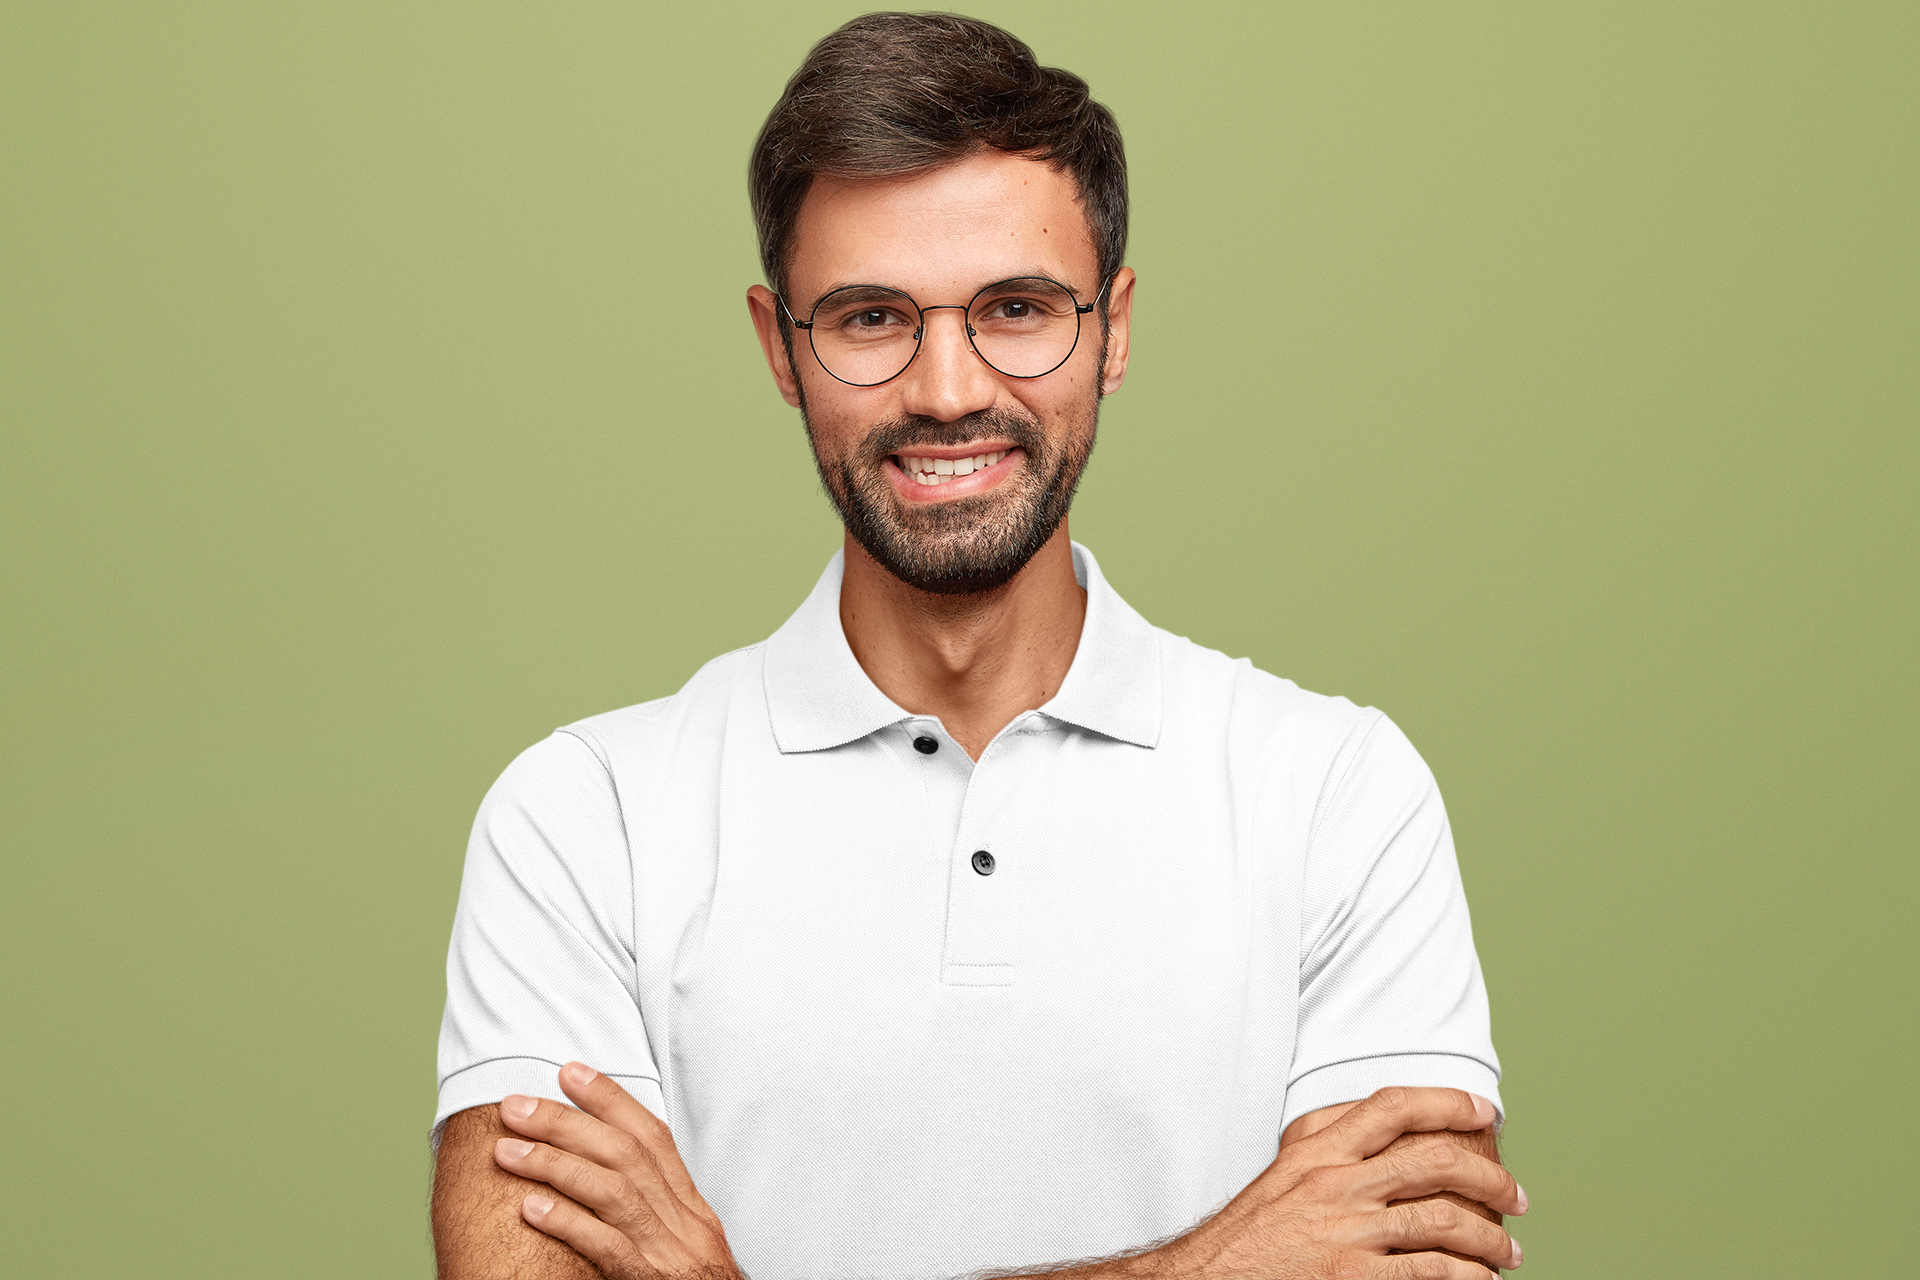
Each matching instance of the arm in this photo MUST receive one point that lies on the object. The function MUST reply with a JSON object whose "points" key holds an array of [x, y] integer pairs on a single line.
{"points": [[541, 961], [478, 1233], [1336, 1203], [603, 1187]]}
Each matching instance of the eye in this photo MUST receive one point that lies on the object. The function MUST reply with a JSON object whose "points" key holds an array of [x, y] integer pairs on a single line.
{"points": [[868, 322], [1024, 305]]}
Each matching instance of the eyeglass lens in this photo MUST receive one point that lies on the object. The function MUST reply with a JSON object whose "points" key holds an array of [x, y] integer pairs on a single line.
{"points": [[867, 334]]}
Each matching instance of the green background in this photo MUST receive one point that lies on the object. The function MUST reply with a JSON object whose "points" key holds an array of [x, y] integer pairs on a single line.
{"points": [[378, 394]]}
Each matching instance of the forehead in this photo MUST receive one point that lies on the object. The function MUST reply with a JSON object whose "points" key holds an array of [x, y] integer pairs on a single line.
{"points": [[945, 233]]}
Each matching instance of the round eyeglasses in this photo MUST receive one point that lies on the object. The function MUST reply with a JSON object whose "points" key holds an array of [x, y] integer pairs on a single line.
{"points": [[867, 334]]}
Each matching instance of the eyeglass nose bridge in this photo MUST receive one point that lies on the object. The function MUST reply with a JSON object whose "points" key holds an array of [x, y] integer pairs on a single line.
{"points": [[962, 308]]}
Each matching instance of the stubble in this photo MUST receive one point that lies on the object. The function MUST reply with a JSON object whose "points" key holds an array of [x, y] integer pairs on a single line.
{"points": [[967, 545]]}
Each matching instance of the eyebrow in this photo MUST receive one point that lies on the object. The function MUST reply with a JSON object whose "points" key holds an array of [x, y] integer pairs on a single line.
{"points": [[888, 288]]}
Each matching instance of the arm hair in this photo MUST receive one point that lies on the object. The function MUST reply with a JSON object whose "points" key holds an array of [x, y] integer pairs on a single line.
{"points": [[478, 1233]]}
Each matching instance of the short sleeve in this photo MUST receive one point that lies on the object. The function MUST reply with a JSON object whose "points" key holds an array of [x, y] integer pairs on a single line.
{"points": [[541, 968], [1390, 985]]}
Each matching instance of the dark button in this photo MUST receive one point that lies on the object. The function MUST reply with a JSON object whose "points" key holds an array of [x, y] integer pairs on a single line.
{"points": [[926, 746], [983, 862]]}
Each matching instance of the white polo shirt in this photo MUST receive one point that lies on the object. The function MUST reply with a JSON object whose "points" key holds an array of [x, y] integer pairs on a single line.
{"points": [[908, 1015]]}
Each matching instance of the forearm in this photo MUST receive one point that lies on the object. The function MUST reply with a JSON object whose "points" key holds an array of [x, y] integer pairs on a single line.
{"points": [[1181, 1258], [607, 1179], [1156, 1261]]}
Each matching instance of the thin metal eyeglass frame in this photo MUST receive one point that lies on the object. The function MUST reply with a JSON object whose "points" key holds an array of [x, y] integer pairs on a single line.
{"points": [[919, 333]]}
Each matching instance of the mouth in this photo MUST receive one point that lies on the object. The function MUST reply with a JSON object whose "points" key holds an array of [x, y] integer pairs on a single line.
{"points": [[929, 472]]}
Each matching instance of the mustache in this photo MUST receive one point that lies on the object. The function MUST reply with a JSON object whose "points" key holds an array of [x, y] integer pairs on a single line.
{"points": [[902, 435]]}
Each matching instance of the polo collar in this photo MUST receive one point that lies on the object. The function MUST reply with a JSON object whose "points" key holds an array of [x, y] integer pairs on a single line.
{"points": [[818, 697]]}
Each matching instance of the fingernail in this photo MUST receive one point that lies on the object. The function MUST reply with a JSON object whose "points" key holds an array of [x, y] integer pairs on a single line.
{"points": [[579, 1074], [1522, 1193], [518, 1105], [1483, 1110], [537, 1206], [1518, 1256], [514, 1149]]}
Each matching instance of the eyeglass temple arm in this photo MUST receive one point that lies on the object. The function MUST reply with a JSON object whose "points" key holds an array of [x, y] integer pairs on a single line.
{"points": [[798, 324], [1096, 297]]}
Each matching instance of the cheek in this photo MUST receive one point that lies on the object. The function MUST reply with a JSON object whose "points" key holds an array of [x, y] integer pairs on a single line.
{"points": [[835, 427]]}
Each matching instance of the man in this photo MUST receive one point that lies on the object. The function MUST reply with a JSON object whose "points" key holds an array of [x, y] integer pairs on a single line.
{"points": [[969, 921]]}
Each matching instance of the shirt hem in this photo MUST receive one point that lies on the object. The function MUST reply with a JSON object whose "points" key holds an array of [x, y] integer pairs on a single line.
{"points": [[1355, 1078], [488, 1082]]}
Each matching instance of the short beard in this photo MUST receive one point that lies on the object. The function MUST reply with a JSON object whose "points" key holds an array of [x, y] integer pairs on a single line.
{"points": [[969, 545]]}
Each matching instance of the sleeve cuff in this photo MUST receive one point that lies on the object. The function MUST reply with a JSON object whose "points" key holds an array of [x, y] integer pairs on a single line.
{"points": [[1354, 1079], [488, 1082]]}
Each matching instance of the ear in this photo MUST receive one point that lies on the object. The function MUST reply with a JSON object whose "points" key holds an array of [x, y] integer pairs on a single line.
{"points": [[764, 308], [1119, 330]]}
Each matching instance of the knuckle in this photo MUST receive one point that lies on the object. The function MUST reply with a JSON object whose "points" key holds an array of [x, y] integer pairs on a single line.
{"points": [[1393, 1100], [627, 1212], [629, 1151], [1424, 1218], [1433, 1219], [590, 1183]]}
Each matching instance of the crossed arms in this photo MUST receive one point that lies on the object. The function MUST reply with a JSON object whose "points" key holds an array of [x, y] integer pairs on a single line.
{"points": [[1405, 1185]]}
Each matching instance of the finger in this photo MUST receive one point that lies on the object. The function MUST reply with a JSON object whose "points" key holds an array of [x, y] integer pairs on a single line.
{"points": [[1427, 1266], [570, 1129], [1370, 1127], [607, 1147], [1429, 1168], [601, 1096], [610, 1252], [608, 1194], [1441, 1224]]}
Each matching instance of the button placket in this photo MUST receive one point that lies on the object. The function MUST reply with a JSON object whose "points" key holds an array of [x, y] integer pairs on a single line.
{"points": [[945, 774], [983, 880]]}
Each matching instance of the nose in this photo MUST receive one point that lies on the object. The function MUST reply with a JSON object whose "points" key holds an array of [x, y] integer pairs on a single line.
{"points": [[947, 379]]}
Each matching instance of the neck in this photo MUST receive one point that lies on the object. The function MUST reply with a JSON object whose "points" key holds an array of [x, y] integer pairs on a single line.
{"points": [[975, 661]]}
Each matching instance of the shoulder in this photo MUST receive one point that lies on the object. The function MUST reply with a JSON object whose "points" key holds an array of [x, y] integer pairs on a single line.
{"points": [[579, 761], [704, 701], [1324, 748], [1253, 705]]}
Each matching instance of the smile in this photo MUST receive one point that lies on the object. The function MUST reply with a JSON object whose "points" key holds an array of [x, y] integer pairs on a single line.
{"points": [[932, 471]]}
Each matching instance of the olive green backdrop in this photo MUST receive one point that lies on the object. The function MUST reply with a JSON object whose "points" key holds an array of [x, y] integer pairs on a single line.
{"points": [[378, 394]]}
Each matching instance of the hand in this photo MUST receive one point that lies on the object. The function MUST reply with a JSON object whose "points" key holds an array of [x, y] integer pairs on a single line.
{"points": [[1325, 1208], [628, 1204]]}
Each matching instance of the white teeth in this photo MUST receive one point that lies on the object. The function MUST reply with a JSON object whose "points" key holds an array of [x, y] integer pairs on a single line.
{"points": [[943, 470]]}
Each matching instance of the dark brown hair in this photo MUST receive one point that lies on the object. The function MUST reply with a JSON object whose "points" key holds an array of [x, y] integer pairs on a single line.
{"points": [[890, 95]]}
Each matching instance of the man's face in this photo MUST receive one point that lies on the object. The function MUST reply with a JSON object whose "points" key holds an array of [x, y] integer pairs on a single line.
{"points": [[940, 238]]}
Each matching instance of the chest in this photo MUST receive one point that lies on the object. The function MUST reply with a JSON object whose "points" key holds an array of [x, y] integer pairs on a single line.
{"points": [[1068, 905]]}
